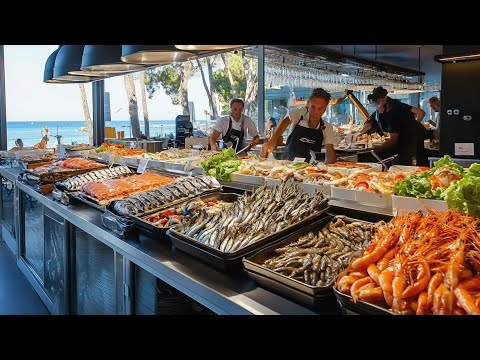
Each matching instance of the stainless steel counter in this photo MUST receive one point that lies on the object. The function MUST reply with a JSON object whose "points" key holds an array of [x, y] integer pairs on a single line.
{"points": [[11, 173], [220, 292]]}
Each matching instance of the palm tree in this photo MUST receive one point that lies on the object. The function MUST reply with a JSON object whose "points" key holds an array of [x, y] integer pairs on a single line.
{"points": [[86, 113], [144, 104], [132, 105]]}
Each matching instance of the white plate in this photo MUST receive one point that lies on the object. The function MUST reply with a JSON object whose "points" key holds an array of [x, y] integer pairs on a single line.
{"points": [[404, 204]]}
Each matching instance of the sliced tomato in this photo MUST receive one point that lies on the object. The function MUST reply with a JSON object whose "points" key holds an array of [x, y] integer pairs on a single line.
{"points": [[362, 185], [399, 177], [423, 168]]}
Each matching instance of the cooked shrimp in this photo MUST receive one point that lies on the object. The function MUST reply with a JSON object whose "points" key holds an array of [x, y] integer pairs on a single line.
{"points": [[434, 283], [466, 301], [422, 305], [421, 283]]}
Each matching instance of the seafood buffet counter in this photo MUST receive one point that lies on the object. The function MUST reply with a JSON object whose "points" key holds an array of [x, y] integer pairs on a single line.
{"points": [[219, 292]]}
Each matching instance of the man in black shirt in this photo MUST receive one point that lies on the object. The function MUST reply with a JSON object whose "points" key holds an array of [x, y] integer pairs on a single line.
{"points": [[403, 123]]}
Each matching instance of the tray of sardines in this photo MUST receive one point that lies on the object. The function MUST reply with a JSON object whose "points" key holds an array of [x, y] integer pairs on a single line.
{"points": [[160, 198], [75, 183], [156, 225], [303, 266], [221, 236]]}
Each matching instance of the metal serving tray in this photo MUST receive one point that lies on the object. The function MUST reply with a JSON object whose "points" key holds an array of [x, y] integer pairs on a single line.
{"points": [[233, 261], [282, 284], [360, 307], [157, 232]]}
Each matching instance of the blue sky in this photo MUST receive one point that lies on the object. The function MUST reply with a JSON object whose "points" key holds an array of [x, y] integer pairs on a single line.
{"points": [[30, 99]]}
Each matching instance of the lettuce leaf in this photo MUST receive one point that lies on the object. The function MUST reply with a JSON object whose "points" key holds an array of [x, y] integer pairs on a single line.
{"points": [[419, 185], [473, 170], [464, 196], [213, 161], [446, 161]]}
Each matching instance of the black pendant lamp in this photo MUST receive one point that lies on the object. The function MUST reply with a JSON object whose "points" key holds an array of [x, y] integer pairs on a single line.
{"points": [[154, 54], [206, 47], [69, 58], [104, 60], [48, 71]]}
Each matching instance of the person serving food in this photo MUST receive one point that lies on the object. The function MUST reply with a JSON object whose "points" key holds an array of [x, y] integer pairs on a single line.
{"points": [[234, 127], [309, 130]]}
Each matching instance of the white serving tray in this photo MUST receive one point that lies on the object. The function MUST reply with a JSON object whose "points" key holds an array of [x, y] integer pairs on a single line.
{"points": [[312, 188], [374, 199], [404, 204], [248, 179], [343, 194]]}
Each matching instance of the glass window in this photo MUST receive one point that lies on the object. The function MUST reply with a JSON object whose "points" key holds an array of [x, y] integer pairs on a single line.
{"points": [[32, 105], [203, 89]]}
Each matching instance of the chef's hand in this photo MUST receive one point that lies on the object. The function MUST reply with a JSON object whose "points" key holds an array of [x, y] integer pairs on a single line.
{"points": [[266, 149]]}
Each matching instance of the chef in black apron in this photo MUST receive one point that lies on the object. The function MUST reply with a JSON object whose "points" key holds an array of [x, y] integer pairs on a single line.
{"points": [[233, 136], [309, 130], [233, 129], [302, 140], [406, 133]]}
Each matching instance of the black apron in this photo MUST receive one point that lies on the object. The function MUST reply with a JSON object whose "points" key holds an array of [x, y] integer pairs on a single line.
{"points": [[302, 140], [234, 136]]}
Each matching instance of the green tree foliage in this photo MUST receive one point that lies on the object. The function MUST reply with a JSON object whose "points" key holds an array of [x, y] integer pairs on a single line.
{"points": [[165, 77], [222, 84]]}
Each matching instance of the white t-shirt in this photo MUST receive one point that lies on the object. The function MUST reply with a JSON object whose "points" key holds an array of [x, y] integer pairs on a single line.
{"points": [[222, 127], [296, 113]]}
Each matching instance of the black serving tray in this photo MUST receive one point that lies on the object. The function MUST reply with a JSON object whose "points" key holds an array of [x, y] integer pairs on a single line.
{"points": [[282, 284], [156, 232], [233, 261], [360, 307]]}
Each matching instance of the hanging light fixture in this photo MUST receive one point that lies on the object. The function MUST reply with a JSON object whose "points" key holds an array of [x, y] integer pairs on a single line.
{"points": [[154, 54], [206, 47], [69, 58], [104, 60], [48, 71]]}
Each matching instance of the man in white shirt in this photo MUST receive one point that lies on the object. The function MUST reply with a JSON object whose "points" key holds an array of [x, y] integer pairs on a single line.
{"points": [[309, 131], [234, 128]]}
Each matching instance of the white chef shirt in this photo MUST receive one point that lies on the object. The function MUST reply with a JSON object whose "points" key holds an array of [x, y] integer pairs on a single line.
{"points": [[222, 127], [296, 113]]}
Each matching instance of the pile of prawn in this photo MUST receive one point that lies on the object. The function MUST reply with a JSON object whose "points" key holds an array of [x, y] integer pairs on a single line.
{"points": [[420, 264]]}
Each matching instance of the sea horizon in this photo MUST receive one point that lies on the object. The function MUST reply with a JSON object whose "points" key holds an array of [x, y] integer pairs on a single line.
{"points": [[30, 131]]}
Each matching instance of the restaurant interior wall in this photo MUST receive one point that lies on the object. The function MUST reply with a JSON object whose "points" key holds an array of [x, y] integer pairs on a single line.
{"points": [[460, 109]]}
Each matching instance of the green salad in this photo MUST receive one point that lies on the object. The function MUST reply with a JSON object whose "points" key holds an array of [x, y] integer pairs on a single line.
{"points": [[222, 165], [464, 195], [420, 185]]}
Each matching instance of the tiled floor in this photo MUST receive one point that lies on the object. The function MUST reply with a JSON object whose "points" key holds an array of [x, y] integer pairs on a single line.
{"points": [[17, 296]]}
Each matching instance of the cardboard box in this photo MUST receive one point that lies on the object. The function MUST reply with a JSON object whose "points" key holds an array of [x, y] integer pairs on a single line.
{"points": [[110, 132]]}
